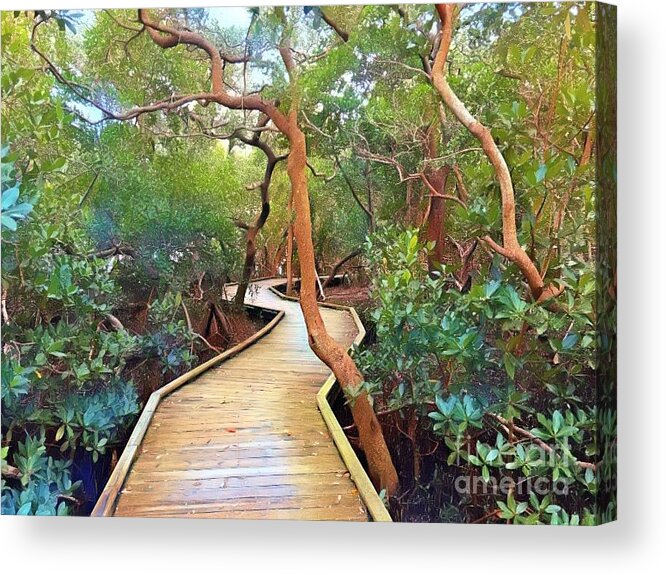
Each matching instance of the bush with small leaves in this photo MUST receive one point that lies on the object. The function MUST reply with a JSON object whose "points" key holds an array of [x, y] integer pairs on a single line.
{"points": [[501, 381]]}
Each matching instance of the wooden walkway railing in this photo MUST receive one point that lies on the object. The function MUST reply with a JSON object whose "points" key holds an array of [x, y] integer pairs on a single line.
{"points": [[246, 439]]}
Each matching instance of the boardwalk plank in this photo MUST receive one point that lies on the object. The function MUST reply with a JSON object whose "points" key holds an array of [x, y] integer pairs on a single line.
{"points": [[245, 440]]}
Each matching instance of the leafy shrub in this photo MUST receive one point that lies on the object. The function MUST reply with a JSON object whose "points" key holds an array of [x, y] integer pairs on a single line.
{"points": [[62, 365], [12, 208], [70, 192], [503, 383], [169, 339], [45, 482]]}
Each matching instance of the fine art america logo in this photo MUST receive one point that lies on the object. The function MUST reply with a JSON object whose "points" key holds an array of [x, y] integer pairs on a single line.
{"points": [[540, 459]]}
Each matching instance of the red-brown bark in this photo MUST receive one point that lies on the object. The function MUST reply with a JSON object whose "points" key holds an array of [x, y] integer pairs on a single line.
{"points": [[335, 356], [511, 248], [435, 179]]}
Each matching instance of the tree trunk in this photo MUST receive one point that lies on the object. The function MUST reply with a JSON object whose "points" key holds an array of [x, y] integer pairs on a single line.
{"points": [[437, 178], [279, 252], [371, 209], [290, 246], [255, 228], [248, 266], [367, 209], [435, 231], [381, 469], [338, 265], [511, 248], [435, 222]]}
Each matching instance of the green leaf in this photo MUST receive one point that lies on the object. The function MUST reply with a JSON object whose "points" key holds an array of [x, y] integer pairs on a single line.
{"points": [[506, 513], [491, 288], [55, 165], [569, 341], [540, 434], [510, 365], [8, 222], [413, 242], [57, 354], [9, 197], [446, 406], [474, 460], [558, 421], [492, 455]]}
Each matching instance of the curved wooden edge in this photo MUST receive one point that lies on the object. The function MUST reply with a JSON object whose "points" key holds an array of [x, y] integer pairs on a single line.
{"points": [[321, 304], [106, 502], [357, 472], [255, 280]]}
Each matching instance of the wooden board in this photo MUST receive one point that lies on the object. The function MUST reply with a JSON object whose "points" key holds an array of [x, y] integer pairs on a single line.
{"points": [[245, 439]]}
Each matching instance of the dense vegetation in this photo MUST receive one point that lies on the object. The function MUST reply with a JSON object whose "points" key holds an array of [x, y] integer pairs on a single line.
{"points": [[443, 157]]}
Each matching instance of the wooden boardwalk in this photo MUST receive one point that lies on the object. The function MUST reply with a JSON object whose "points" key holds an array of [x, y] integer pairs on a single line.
{"points": [[245, 439]]}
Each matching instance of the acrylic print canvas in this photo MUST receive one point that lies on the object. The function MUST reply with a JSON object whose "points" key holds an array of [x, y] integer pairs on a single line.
{"points": [[336, 263]]}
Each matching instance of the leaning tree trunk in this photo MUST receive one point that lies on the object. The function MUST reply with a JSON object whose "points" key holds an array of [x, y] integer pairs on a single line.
{"points": [[338, 265], [250, 256], [382, 471], [511, 248], [264, 187]]}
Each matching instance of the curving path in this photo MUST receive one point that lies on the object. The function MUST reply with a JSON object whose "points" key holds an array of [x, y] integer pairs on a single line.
{"points": [[245, 439]]}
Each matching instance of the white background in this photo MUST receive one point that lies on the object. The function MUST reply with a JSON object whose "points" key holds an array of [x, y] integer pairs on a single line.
{"points": [[86, 545]]}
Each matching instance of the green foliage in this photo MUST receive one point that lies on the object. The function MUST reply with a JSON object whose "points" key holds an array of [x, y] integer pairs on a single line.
{"points": [[485, 375], [45, 482], [169, 340], [63, 378], [12, 208], [411, 311], [468, 355], [179, 221], [63, 386]]}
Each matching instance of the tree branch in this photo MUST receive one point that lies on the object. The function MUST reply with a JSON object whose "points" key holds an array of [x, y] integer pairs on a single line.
{"points": [[434, 192], [343, 34], [339, 264], [345, 176], [115, 250], [323, 176], [166, 37], [511, 248], [542, 444]]}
